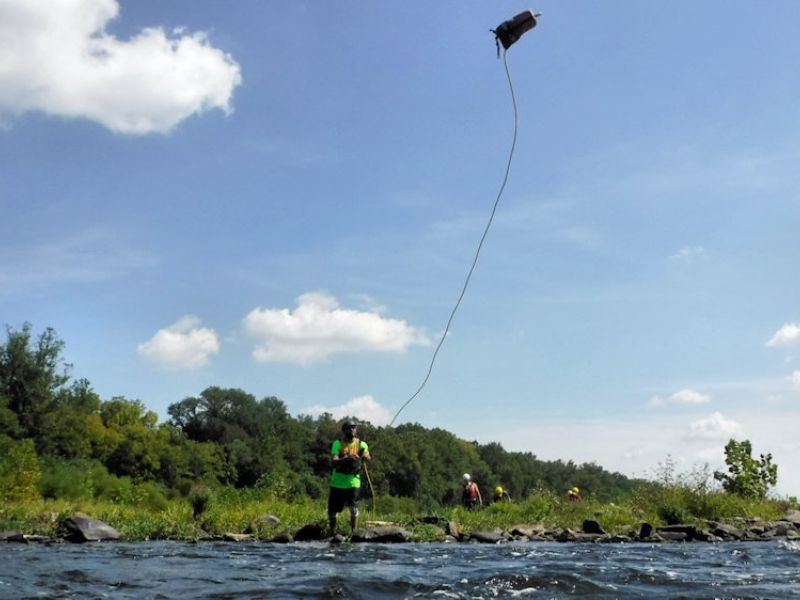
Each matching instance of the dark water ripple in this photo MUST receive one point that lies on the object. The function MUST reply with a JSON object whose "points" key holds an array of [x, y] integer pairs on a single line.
{"points": [[227, 571]]}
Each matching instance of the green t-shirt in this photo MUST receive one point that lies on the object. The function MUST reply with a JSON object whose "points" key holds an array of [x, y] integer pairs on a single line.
{"points": [[344, 480]]}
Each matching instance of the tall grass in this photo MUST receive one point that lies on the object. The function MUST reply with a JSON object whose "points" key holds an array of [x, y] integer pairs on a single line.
{"points": [[265, 513]]}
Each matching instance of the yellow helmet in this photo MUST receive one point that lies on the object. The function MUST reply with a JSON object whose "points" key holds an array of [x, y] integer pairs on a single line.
{"points": [[575, 490], [498, 490]]}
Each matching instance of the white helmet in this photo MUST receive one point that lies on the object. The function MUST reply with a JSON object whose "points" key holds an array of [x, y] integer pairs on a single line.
{"points": [[466, 477]]}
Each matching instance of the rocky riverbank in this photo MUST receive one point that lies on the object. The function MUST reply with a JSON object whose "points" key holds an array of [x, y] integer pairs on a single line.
{"points": [[82, 528]]}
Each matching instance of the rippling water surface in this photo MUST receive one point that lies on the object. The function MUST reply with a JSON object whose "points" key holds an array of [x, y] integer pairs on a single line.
{"points": [[370, 571]]}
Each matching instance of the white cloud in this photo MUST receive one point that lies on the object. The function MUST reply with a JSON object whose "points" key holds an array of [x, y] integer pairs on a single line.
{"points": [[794, 379], [57, 58], [684, 396], [689, 254], [713, 427], [182, 345], [788, 335], [364, 408], [318, 328]]}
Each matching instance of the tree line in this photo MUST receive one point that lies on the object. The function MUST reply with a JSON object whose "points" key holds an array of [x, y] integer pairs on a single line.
{"points": [[227, 437]]}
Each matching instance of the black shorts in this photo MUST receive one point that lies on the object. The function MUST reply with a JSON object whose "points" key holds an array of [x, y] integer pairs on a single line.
{"points": [[341, 497]]}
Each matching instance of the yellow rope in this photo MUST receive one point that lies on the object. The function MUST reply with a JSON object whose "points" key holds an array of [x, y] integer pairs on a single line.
{"points": [[372, 490]]}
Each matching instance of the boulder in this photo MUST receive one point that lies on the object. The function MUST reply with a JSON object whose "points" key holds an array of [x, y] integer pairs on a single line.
{"points": [[310, 533], [263, 523], [494, 536], [282, 538], [12, 536], [388, 534], [566, 535], [726, 531], [689, 530], [793, 517], [672, 536], [592, 526], [778, 529], [85, 529], [646, 530], [528, 531]]}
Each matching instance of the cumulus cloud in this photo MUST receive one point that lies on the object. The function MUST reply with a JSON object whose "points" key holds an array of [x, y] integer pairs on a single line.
{"points": [[684, 396], [364, 408], [57, 58], [318, 328], [689, 254], [713, 427], [182, 345], [788, 335]]}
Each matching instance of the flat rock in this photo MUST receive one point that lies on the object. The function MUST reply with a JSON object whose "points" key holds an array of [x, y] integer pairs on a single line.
{"points": [[385, 534]]}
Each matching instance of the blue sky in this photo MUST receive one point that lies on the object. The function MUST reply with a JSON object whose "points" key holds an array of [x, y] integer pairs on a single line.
{"points": [[286, 197]]}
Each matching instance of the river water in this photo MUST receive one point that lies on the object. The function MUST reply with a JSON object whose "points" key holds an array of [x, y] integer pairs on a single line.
{"points": [[375, 571]]}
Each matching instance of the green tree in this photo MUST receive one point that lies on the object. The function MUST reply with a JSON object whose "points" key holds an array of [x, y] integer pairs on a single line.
{"points": [[31, 376], [747, 477]]}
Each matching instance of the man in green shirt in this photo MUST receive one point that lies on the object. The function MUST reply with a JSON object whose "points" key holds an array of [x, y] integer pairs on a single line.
{"points": [[347, 456]]}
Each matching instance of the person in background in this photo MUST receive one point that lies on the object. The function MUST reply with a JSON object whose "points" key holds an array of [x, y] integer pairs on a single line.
{"points": [[500, 495], [574, 494], [347, 458], [470, 495]]}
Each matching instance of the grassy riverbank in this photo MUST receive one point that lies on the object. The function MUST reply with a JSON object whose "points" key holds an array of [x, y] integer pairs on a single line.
{"points": [[245, 511]]}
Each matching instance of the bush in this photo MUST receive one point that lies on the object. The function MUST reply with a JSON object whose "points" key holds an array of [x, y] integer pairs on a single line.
{"points": [[20, 472], [199, 498]]}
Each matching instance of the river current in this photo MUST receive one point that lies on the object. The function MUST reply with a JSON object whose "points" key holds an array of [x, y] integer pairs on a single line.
{"points": [[376, 571]]}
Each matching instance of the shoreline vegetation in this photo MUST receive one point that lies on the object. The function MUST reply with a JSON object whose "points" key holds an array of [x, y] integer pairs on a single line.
{"points": [[675, 514], [228, 466]]}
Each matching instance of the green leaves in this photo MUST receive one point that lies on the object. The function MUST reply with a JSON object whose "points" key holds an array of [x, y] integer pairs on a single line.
{"points": [[746, 476]]}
